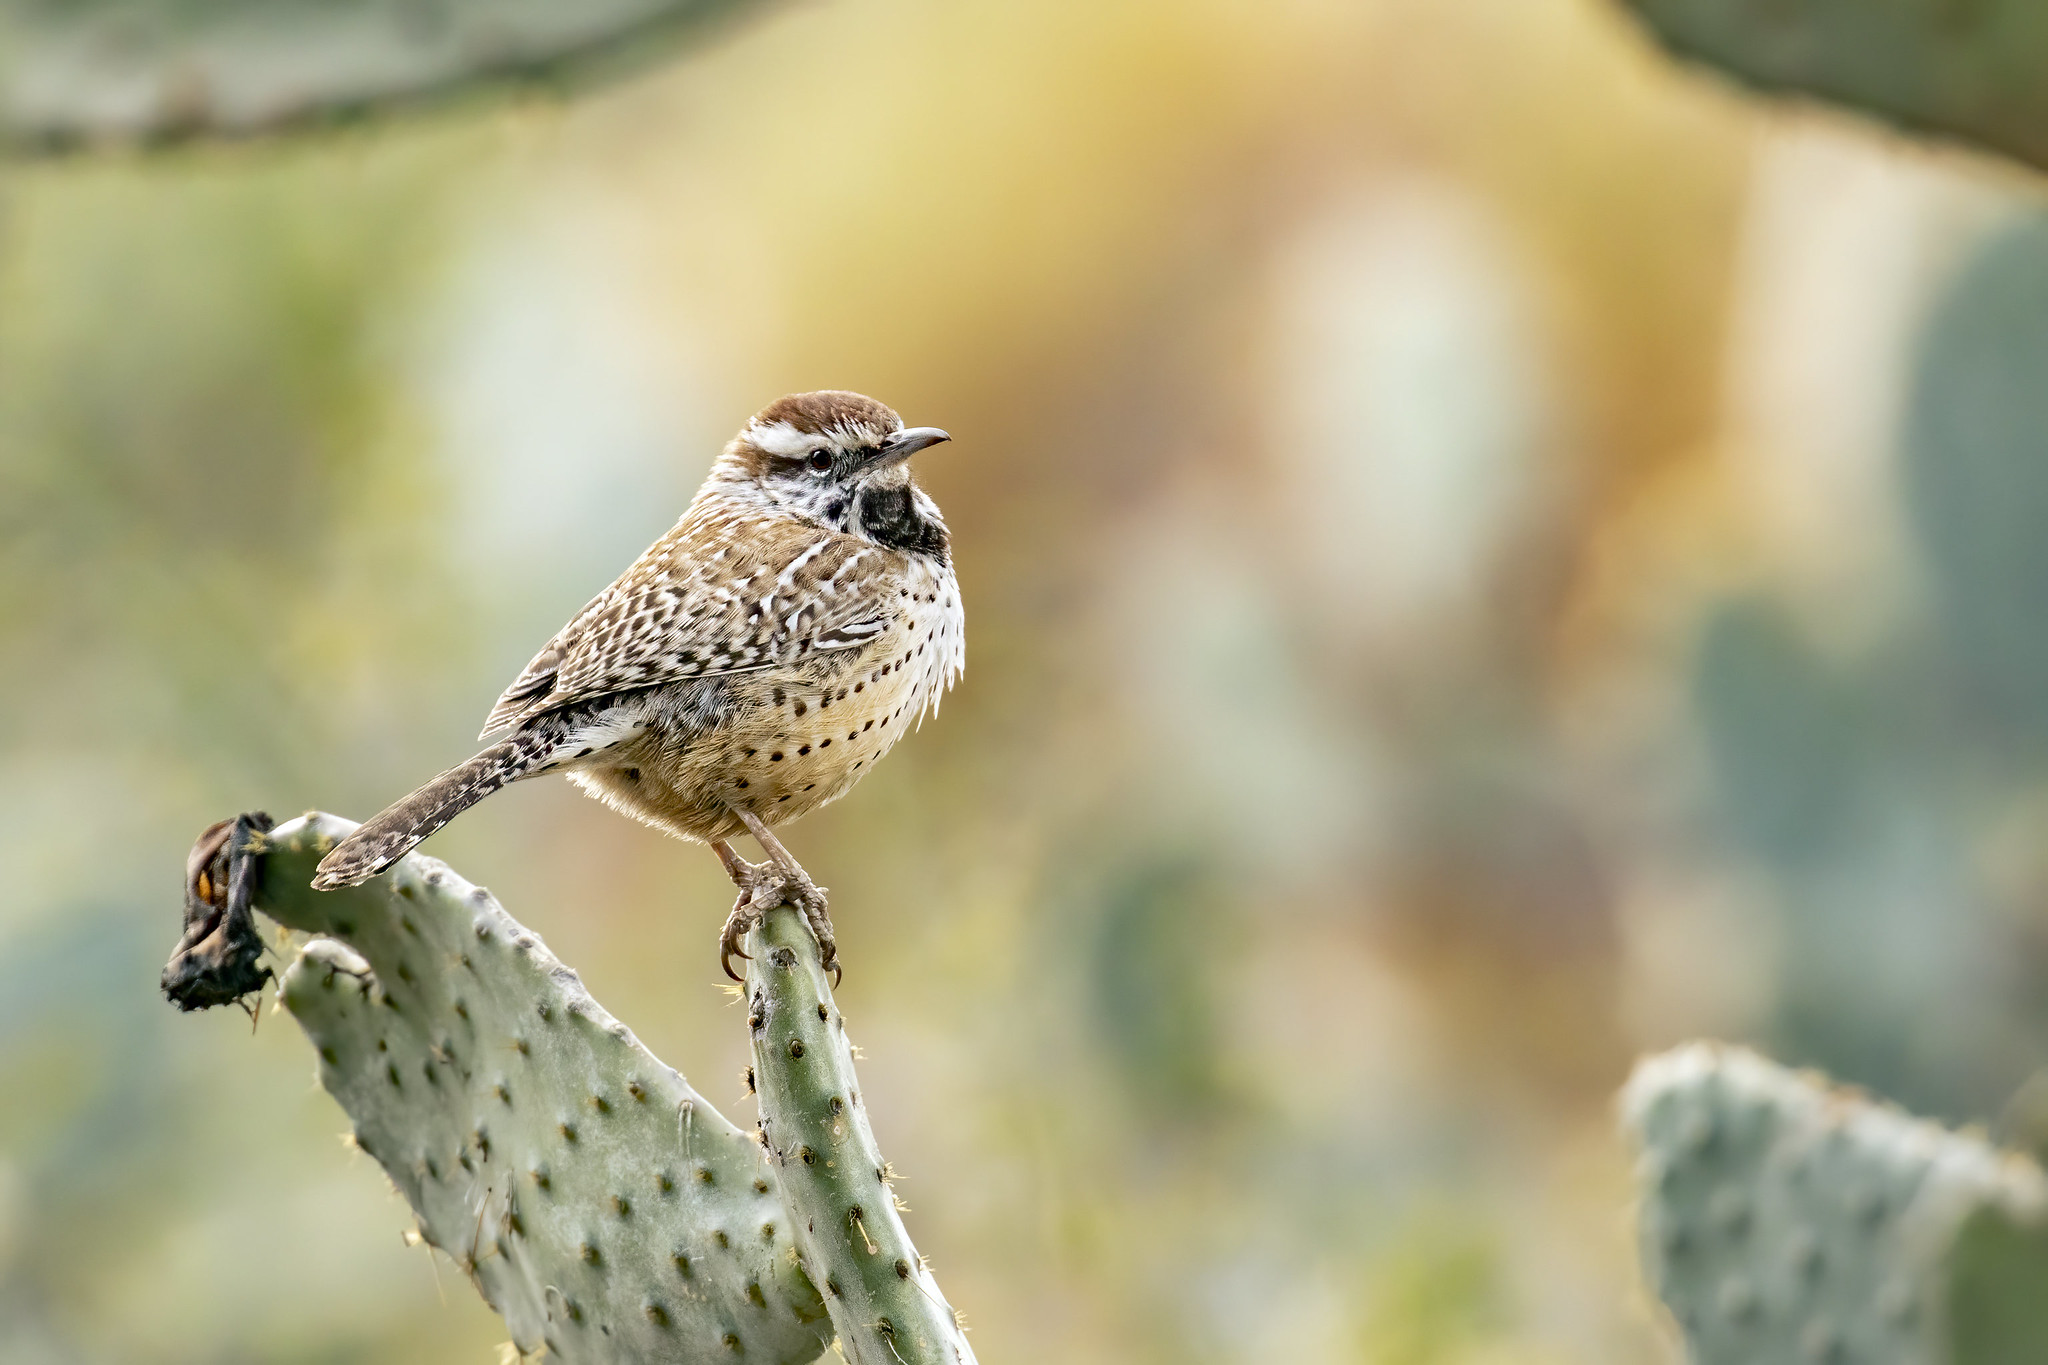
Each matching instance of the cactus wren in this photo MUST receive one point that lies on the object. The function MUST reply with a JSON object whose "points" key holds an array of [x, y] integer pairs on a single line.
{"points": [[752, 665]]}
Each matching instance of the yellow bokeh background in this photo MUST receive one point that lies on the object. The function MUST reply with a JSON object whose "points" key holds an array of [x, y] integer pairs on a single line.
{"points": [[1370, 420]]}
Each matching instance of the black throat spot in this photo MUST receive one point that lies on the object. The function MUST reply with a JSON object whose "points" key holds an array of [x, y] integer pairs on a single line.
{"points": [[888, 516]]}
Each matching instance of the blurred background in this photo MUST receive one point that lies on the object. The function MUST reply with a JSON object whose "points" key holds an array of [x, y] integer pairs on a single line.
{"points": [[1486, 553]]}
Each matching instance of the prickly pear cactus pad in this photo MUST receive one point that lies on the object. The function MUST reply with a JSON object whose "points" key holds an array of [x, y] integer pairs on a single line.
{"points": [[883, 1299], [1974, 69], [99, 71], [595, 1199], [1784, 1222]]}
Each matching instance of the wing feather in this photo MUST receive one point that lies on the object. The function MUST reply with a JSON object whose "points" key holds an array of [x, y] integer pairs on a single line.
{"points": [[706, 599]]}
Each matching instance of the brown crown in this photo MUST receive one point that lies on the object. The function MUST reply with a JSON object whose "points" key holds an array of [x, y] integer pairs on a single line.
{"points": [[812, 413]]}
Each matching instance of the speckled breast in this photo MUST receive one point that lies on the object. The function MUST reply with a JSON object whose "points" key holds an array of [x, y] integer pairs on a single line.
{"points": [[800, 739], [797, 737]]}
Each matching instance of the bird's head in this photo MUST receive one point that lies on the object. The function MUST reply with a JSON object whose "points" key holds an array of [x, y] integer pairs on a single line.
{"points": [[841, 459]]}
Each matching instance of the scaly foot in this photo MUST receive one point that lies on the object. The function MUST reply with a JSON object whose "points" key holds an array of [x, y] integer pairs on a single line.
{"points": [[763, 886]]}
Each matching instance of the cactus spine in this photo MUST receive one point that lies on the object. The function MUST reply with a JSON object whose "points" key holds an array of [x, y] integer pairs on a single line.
{"points": [[598, 1202], [611, 1215], [883, 1300]]}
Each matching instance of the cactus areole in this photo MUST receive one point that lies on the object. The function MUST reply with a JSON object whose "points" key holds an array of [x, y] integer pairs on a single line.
{"points": [[601, 1205]]}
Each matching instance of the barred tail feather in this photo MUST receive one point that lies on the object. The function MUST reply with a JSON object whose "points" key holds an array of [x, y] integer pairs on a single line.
{"points": [[397, 829]]}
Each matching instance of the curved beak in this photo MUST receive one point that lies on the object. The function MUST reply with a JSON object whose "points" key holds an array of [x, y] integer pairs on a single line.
{"points": [[907, 443]]}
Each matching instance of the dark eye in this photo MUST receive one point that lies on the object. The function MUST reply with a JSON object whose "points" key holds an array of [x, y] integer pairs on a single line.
{"points": [[819, 462]]}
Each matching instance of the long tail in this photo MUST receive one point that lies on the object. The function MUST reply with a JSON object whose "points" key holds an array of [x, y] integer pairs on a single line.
{"points": [[397, 829]]}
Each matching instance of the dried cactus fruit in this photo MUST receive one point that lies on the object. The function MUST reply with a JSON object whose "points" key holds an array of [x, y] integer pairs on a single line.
{"points": [[882, 1298], [598, 1202], [1784, 1222], [215, 962]]}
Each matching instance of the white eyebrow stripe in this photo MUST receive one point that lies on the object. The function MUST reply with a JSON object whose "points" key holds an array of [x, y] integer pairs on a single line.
{"points": [[780, 438], [854, 435]]}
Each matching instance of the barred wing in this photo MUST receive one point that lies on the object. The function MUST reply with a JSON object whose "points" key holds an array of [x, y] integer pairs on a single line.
{"points": [[705, 600]]}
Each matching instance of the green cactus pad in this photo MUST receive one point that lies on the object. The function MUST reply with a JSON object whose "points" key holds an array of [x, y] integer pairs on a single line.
{"points": [[598, 1202], [1784, 1222], [882, 1298], [1973, 69], [101, 71]]}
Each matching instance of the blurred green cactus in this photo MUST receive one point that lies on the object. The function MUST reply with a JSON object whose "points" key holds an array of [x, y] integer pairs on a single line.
{"points": [[127, 71], [601, 1205], [1861, 780], [883, 1300], [1976, 486], [1971, 69], [1784, 1222]]}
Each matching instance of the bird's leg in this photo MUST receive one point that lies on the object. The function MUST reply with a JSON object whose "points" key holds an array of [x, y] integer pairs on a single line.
{"points": [[789, 882], [736, 867], [746, 912]]}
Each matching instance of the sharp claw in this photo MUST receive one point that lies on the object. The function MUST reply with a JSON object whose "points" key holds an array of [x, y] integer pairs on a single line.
{"points": [[728, 949], [766, 889], [736, 925]]}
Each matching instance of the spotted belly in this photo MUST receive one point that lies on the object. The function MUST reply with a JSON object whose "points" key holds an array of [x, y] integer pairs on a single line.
{"points": [[801, 741], [790, 740]]}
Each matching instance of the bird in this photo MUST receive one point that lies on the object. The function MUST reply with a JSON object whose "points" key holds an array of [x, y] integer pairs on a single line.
{"points": [[751, 666]]}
